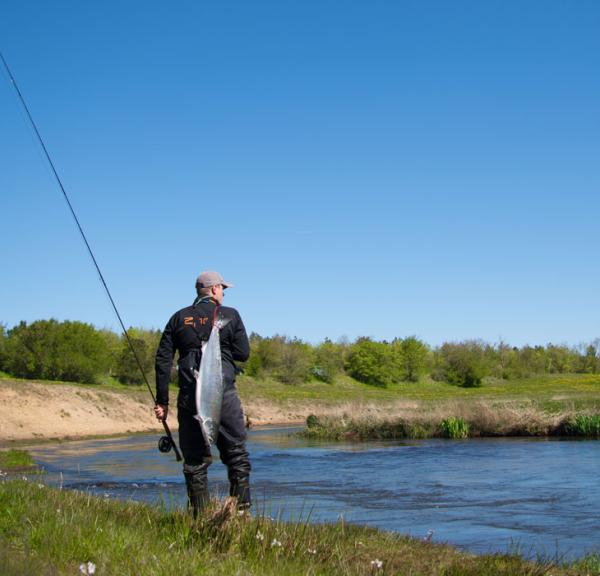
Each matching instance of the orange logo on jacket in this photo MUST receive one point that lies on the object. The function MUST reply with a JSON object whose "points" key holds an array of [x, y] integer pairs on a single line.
{"points": [[189, 321]]}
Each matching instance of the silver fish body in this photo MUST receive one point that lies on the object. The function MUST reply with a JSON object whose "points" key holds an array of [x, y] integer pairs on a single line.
{"points": [[209, 386]]}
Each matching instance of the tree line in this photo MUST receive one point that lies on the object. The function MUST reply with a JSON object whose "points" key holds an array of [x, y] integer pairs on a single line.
{"points": [[74, 351]]}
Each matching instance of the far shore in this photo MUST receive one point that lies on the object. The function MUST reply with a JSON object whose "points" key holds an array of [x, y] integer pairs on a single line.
{"points": [[40, 411]]}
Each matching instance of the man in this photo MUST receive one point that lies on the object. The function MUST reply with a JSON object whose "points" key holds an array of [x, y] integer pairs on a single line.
{"points": [[185, 332]]}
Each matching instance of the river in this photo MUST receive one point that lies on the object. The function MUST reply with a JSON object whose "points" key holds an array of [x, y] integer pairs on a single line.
{"points": [[531, 496]]}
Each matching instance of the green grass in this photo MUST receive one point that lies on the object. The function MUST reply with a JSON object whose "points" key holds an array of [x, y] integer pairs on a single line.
{"points": [[455, 428], [15, 460], [582, 389], [552, 392], [49, 531], [585, 425]]}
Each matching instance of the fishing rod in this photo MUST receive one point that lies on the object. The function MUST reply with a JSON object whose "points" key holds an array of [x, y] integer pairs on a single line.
{"points": [[166, 442]]}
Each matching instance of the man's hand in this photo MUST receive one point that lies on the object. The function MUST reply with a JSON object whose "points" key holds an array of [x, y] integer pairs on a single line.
{"points": [[161, 411]]}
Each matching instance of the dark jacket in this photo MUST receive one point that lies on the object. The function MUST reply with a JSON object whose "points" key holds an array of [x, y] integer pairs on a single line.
{"points": [[184, 333]]}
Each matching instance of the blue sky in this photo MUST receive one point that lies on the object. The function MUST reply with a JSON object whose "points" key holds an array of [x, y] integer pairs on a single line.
{"points": [[382, 168]]}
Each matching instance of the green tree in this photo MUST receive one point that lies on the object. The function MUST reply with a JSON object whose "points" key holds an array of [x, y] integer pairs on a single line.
{"points": [[558, 359], [589, 360], [293, 360], [414, 355], [3, 337], [145, 343], [532, 360], [112, 342], [328, 361], [254, 365], [47, 349], [370, 362], [464, 363]]}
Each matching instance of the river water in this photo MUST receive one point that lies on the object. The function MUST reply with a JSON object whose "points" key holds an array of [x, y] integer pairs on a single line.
{"points": [[534, 497]]}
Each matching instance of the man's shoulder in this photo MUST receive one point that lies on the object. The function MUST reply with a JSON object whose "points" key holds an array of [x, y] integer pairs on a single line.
{"points": [[229, 312], [183, 312]]}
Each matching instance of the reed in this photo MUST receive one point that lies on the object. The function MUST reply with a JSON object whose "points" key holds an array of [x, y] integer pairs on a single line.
{"points": [[455, 428], [584, 425]]}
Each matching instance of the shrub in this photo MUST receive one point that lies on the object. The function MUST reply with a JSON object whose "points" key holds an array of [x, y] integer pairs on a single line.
{"points": [[455, 428], [463, 364], [145, 344], [370, 362], [328, 361], [413, 358], [52, 350]]}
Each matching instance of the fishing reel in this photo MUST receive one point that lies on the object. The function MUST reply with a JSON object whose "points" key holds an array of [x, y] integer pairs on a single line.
{"points": [[165, 444]]}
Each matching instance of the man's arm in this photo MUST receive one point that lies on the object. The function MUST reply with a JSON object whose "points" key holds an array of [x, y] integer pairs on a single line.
{"points": [[164, 363], [240, 347]]}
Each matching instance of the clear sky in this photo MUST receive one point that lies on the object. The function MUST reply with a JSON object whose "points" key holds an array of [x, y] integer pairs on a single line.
{"points": [[381, 168]]}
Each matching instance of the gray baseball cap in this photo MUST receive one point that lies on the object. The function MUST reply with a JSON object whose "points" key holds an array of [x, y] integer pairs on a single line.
{"points": [[210, 278]]}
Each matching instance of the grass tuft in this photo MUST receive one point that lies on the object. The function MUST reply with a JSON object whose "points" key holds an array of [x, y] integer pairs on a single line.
{"points": [[455, 428], [16, 460]]}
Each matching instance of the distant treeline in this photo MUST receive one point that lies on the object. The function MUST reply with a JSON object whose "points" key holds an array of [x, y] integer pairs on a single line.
{"points": [[78, 352]]}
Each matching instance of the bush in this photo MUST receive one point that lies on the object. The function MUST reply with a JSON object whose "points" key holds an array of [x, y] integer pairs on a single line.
{"points": [[371, 362], [145, 343], [294, 361], [328, 361], [49, 350], [455, 428], [463, 364], [288, 360], [413, 358]]}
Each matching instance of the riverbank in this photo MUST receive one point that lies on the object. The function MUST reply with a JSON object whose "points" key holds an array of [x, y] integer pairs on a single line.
{"points": [[456, 421], [57, 410], [68, 532]]}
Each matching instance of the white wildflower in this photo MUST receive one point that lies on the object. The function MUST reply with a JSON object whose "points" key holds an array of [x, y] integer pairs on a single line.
{"points": [[24, 478], [312, 551], [428, 536], [260, 536], [377, 564], [275, 543], [171, 545], [87, 568]]}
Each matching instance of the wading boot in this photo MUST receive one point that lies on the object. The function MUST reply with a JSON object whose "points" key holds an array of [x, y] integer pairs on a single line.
{"points": [[239, 487], [196, 481]]}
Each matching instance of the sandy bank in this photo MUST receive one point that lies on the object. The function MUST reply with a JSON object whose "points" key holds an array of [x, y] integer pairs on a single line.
{"points": [[33, 410]]}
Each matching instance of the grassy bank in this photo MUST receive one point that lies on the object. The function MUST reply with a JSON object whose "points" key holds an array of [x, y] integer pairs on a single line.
{"points": [[48, 531], [550, 391], [456, 421]]}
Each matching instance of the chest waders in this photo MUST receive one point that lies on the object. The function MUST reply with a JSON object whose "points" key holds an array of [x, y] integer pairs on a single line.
{"points": [[230, 442]]}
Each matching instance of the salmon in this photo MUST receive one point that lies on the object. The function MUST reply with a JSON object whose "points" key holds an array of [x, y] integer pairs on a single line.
{"points": [[209, 385]]}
